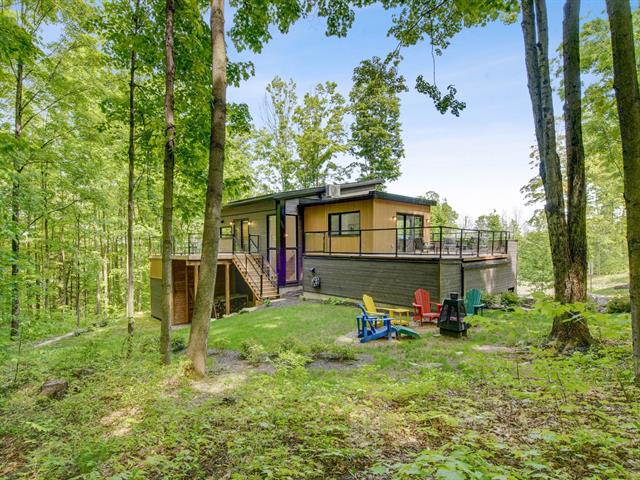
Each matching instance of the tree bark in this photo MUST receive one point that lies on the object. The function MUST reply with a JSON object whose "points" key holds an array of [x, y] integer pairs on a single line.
{"points": [[131, 185], [569, 263], [199, 335], [15, 210], [625, 84], [167, 203]]}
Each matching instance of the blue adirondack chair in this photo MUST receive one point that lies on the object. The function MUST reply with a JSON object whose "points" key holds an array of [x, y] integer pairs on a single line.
{"points": [[369, 329], [473, 303]]}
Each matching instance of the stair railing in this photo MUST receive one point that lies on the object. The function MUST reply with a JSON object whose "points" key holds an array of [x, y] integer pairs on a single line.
{"points": [[263, 268]]}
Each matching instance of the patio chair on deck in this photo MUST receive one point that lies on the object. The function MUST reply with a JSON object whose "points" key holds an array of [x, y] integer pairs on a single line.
{"points": [[422, 307], [419, 245]]}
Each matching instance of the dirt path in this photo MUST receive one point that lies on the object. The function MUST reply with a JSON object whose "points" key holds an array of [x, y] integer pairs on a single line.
{"points": [[52, 340]]}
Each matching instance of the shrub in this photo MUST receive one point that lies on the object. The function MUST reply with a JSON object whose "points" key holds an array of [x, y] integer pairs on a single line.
{"points": [[178, 344], [289, 359], [252, 352], [489, 299], [509, 299], [336, 301], [619, 304], [339, 353]]}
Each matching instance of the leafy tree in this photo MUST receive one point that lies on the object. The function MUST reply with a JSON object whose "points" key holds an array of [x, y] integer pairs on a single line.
{"points": [[491, 221], [376, 130], [567, 232], [320, 135], [275, 144], [442, 214]]}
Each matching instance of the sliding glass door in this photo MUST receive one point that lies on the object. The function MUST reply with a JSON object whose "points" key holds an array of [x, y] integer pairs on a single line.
{"points": [[410, 231]]}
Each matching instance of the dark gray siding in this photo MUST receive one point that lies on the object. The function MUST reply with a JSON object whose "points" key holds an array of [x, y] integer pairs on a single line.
{"points": [[492, 277], [393, 281], [390, 281], [450, 278], [156, 297]]}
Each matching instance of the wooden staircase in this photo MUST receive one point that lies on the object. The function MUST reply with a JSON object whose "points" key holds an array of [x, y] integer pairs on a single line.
{"points": [[257, 274]]}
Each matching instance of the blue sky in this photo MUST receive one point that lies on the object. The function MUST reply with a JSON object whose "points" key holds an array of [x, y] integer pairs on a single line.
{"points": [[478, 161]]}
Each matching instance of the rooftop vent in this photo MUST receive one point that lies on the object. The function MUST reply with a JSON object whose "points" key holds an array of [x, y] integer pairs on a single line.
{"points": [[333, 191]]}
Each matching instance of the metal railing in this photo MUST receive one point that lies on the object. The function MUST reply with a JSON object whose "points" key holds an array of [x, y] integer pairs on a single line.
{"points": [[434, 241], [191, 244], [245, 257]]}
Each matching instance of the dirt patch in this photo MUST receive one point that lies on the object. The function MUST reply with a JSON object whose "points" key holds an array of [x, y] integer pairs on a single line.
{"points": [[121, 421], [13, 454], [220, 383], [351, 338], [229, 361], [494, 349], [334, 364]]}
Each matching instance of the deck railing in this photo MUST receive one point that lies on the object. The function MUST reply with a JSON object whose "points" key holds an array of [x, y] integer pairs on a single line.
{"points": [[435, 241]]}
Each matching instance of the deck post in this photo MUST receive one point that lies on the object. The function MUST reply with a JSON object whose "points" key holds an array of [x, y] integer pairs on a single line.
{"points": [[478, 245], [461, 235], [227, 288], [440, 241], [493, 240], [360, 242], [396, 241]]}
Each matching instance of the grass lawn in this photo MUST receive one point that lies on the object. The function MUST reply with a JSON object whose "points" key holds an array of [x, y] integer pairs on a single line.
{"points": [[493, 405]]}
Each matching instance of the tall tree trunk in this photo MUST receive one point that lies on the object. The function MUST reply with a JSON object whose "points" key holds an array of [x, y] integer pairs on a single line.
{"points": [[576, 281], [569, 273], [131, 185], [199, 335], [15, 210], [625, 83], [77, 292], [167, 203]]}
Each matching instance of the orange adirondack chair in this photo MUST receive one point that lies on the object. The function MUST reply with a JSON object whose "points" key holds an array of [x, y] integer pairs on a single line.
{"points": [[422, 307]]}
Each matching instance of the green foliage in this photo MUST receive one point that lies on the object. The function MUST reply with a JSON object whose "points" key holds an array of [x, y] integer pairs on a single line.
{"points": [[443, 103], [509, 299], [491, 221], [438, 406], [376, 130], [336, 301], [320, 135], [253, 352], [534, 259], [442, 213], [619, 304], [490, 299]]}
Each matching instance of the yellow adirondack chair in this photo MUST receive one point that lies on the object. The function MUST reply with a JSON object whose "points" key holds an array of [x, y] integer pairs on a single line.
{"points": [[370, 307]]}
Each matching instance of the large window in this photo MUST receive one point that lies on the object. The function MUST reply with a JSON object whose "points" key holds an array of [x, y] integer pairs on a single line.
{"points": [[343, 224]]}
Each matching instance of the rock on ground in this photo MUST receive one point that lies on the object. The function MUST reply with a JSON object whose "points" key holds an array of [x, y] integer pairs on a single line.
{"points": [[54, 389]]}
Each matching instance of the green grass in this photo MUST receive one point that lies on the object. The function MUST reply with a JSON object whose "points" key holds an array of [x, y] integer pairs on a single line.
{"points": [[604, 284], [307, 322], [494, 405]]}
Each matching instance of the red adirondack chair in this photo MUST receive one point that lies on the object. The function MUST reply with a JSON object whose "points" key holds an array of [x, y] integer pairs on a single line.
{"points": [[422, 307]]}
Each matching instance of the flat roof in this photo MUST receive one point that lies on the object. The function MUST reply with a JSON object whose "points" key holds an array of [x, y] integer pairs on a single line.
{"points": [[305, 192], [373, 194]]}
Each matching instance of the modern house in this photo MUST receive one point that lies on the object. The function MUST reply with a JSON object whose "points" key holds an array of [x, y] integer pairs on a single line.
{"points": [[339, 240]]}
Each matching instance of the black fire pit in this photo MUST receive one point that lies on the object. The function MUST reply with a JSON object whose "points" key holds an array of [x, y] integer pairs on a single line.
{"points": [[451, 321]]}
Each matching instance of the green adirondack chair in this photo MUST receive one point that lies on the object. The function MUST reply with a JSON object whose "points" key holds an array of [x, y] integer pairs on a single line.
{"points": [[472, 302]]}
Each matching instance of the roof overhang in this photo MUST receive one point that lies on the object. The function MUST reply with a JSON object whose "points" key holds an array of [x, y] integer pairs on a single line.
{"points": [[370, 195]]}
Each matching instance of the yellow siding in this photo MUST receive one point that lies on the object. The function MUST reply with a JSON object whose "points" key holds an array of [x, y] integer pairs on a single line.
{"points": [[316, 219], [384, 215], [155, 268], [374, 214]]}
